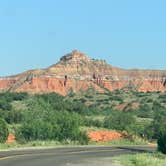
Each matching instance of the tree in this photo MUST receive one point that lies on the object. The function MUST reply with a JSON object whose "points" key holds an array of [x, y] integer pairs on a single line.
{"points": [[52, 125], [159, 123], [145, 111], [5, 105], [119, 120], [159, 129], [3, 131], [162, 143]]}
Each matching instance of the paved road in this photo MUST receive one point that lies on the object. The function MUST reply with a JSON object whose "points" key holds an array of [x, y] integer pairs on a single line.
{"points": [[71, 156]]}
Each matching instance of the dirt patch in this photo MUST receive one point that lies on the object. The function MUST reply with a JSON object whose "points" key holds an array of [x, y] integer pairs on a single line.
{"points": [[104, 136], [11, 138]]}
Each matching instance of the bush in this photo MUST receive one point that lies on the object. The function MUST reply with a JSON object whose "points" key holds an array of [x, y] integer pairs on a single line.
{"points": [[162, 143], [92, 122], [5, 105], [53, 125], [19, 96], [145, 111], [159, 127], [119, 120], [3, 131], [159, 123], [6, 98], [140, 129], [82, 138], [37, 130], [12, 116]]}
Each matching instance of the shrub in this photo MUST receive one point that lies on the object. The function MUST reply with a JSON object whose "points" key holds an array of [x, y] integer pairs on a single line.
{"points": [[19, 96], [82, 138], [119, 120], [52, 125], [37, 130], [69, 126], [14, 116], [145, 111], [159, 127], [3, 131], [162, 143], [5, 105], [92, 122], [159, 123]]}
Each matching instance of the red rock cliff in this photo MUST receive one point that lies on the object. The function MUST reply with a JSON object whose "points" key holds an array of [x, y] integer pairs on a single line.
{"points": [[77, 72]]}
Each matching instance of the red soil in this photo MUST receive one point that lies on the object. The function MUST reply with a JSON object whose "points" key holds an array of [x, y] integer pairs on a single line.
{"points": [[103, 136], [11, 138]]}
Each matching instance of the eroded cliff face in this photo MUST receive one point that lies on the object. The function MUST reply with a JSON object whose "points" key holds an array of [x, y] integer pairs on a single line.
{"points": [[58, 85], [6, 83], [77, 72]]}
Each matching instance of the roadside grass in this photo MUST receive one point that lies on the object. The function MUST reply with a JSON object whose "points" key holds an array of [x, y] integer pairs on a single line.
{"points": [[52, 143], [144, 159], [121, 142], [38, 143]]}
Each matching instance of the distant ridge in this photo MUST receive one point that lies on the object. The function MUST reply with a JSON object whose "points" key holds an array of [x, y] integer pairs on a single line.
{"points": [[76, 71]]}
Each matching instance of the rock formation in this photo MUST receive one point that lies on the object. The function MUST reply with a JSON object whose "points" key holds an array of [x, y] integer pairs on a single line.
{"points": [[77, 72]]}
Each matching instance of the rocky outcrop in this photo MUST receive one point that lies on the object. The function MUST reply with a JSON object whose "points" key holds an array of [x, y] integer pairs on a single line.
{"points": [[77, 72], [58, 85], [6, 83]]}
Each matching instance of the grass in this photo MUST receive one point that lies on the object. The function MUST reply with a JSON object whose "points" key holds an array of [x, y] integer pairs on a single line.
{"points": [[96, 117], [52, 143], [121, 142], [93, 128], [38, 143], [144, 159]]}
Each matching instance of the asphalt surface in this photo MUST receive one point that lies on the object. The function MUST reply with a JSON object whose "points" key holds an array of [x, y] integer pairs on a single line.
{"points": [[70, 156]]}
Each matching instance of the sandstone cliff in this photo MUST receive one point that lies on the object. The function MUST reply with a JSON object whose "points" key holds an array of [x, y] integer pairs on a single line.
{"points": [[77, 72]]}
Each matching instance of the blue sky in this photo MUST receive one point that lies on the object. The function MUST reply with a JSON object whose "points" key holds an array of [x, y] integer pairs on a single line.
{"points": [[127, 33]]}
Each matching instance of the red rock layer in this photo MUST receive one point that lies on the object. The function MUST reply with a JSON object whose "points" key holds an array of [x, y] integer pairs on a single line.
{"points": [[6, 83], [46, 85], [58, 85], [77, 72]]}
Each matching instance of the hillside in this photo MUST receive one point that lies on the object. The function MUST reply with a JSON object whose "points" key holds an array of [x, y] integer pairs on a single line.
{"points": [[77, 72]]}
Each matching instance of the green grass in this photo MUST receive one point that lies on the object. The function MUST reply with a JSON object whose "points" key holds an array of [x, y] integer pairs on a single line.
{"points": [[121, 142], [19, 105], [38, 143], [87, 128], [144, 159], [96, 117], [49, 143]]}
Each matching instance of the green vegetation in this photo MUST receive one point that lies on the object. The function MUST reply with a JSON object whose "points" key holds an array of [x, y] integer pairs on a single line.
{"points": [[123, 141], [119, 121], [145, 159], [43, 117], [55, 118], [159, 125], [3, 131]]}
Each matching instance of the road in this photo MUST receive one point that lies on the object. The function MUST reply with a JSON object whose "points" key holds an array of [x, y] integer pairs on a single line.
{"points": [[70, 156]]}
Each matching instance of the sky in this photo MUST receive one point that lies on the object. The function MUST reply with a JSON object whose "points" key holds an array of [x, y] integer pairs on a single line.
{"points": [[126, 33]]}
